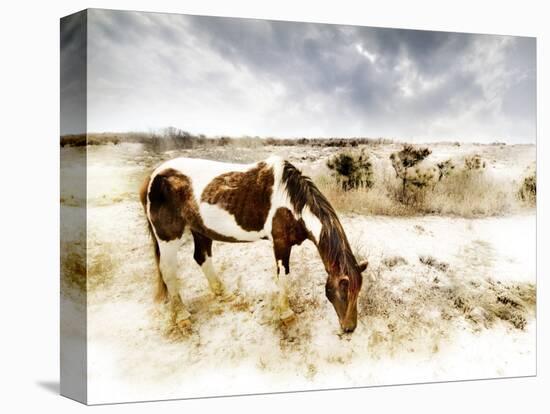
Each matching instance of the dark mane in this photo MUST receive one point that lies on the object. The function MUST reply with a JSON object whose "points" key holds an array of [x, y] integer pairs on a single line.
{"points": [[333, 243]]}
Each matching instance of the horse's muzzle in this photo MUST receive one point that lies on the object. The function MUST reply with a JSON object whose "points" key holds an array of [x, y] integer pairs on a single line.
{"points": [[349, 328]]}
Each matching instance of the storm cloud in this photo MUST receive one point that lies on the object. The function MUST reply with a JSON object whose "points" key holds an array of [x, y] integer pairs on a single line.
{"points": [[228, 76]]}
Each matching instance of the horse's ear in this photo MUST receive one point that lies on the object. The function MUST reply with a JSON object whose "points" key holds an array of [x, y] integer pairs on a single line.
{"points": [[363, 266]]}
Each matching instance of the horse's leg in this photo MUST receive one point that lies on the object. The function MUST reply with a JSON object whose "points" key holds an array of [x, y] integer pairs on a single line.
{"points": [[168, 266], [203, 257], [282, 259]]}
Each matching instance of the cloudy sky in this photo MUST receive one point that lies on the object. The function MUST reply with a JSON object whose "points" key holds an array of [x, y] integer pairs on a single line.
{"points": [[255, 77]]}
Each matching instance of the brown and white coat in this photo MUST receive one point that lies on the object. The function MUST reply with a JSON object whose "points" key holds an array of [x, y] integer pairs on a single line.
{"points": [[227, 202]]}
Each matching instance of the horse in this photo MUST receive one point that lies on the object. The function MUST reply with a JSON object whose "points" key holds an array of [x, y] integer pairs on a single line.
{"points": [[227, 202]]}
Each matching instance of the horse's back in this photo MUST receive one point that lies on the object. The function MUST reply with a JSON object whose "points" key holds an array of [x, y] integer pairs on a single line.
{"points": [[200, 171], [232, 200]]}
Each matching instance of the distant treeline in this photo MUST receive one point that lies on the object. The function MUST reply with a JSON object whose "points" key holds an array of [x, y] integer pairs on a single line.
{"points": [[178, 139]]}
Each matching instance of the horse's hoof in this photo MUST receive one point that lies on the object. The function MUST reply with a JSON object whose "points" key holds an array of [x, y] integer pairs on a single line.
{"points": [[226, 296], [184, 325], [288, 317], [217, 287]]}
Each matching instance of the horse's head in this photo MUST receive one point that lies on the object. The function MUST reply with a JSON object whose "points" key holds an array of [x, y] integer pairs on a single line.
{"points": [[342, 291]]}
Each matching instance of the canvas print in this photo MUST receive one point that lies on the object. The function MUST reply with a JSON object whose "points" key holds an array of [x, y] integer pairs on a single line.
{"points": [[253, 206]]}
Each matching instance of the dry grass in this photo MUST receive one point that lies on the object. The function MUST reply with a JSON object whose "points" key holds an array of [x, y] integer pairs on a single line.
{"points": [[102, 267], [470, 193], [378, 200], [420, 315], [467, 184], [433, 262], [391, 262], [81, 275], [464, 193]]}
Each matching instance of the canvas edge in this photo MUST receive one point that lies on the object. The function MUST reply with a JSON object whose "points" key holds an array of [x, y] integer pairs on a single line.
{"points": [[73, 219]]}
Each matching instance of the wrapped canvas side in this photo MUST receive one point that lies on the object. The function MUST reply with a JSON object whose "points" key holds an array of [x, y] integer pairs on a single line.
{"points": [[73, 295]]}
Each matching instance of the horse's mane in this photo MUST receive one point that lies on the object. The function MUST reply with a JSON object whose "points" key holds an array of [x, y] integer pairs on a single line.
{"points": [[333, 242]]}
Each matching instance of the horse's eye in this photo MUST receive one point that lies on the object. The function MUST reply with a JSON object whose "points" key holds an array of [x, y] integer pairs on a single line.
{"points": [[344, 285]]}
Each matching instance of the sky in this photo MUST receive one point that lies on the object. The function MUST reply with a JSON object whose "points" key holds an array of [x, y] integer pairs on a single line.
{"points": [[234, 77]]}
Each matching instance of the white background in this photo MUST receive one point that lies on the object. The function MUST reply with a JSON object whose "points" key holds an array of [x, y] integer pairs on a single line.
{"points": [[29, 199]]}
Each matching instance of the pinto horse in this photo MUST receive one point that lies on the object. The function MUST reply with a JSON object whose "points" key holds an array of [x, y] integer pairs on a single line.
{"points": [[227, 202]]}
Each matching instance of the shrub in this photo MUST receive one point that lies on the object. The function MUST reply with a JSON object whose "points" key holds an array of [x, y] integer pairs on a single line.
{"points": [[474, 163], [528, 189], [352, 170], [445, 168], [402, 162]]}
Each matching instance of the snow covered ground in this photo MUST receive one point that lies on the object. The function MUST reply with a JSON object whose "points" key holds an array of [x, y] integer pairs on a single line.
{"points": [[453, 299]]}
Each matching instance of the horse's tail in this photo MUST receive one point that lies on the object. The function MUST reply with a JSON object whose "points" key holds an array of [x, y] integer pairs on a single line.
{"points": [[161, 293]]}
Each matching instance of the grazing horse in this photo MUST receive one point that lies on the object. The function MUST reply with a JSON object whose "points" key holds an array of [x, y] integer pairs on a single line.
{"points": [[227, 202]]}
